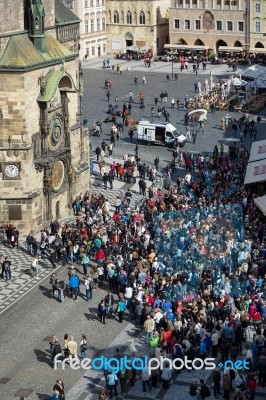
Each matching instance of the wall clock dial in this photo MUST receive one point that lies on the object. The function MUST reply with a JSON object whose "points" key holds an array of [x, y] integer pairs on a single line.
{"points": [[11, 171]]}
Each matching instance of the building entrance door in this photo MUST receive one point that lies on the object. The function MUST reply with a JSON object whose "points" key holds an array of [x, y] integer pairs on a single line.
{"points": [[129, 39]]}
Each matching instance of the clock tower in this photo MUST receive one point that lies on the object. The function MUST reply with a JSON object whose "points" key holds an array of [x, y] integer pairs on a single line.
{"points": [[44, 158]]}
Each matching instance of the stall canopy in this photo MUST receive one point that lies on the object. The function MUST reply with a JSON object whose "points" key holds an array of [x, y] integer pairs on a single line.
{"points": [[254, 71], [184, 47], [256, 172], [133, 48], [239, 82], [261, 82], [258, 151], [261, 203], [225, 49], [257, 50]]}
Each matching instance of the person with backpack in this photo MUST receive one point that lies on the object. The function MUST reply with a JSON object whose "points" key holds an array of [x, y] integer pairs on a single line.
{"points": [[122, 379], [193, 388], [112, 381], [216, 377], [102, 311], [204, 390]]}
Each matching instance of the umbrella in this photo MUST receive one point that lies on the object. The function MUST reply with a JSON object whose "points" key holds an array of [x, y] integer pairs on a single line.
{"points": [[207, 87], [223, 90], [211, 80], [199, 88]]}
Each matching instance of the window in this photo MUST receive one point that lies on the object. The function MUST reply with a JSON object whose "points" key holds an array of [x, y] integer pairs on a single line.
{"points": [[88, 48], [234, 3], [197, 24], [92, 25], [93, 51], [103, 23], [257, 26], [86, 26], [91, 3], [129, 18], [116, 17], [97, 3], [226, 2], [176, 23], [98, 24], [230, 25], [142, 18], [104, 48], [86, 3], [240, 26], [219, 25], [103, 2], [257, 7], [187, 23], [218, 2]]}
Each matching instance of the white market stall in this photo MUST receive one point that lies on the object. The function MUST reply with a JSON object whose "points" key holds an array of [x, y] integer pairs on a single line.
{"points": [[261, 203], [258, 151], [256, 172]]}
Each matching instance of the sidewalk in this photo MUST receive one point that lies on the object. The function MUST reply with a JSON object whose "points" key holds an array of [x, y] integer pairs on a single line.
{"points": [[159, 66], [21, 282]]}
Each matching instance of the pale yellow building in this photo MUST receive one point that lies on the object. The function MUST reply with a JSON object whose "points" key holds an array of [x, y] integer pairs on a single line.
{"points": [[257, 37], [137, 23], [209, 25]]}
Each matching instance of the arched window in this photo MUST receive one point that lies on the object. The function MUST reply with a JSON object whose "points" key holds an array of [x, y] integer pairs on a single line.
{"points": [[116, 17], [129, 18], [142, 18]]}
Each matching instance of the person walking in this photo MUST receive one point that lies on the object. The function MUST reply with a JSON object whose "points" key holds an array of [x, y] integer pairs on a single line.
{"points": [[146, 379], [73, 349], [102, 311], [166, 375], [83, 346], [173, 103], [216, 377], [59, 387], [88, 283], [6, 268], [34, 267], [144, 80], [74, 286], [112, 381], [121, 306], [149, 327], [108, 95]]}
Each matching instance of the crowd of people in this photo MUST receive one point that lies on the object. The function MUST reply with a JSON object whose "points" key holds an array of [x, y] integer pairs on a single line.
{"points": [[187, 264]]}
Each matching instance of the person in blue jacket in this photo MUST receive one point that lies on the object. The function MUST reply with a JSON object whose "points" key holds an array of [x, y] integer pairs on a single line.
{"points": [[74, 286]]}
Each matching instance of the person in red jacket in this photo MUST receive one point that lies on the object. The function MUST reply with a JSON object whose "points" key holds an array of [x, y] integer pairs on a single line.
{"points": [[252, 388], [100, 256]]}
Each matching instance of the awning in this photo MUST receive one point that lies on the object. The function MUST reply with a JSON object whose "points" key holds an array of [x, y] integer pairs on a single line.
{"points": [[261, 203], [225, 49], [257, 50], [254, 71], [258, 151], [184, 47], [239, 82], [256, 172]]}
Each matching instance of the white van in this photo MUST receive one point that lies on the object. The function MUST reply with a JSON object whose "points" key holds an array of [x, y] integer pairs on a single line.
{"points": [[159, 133]]}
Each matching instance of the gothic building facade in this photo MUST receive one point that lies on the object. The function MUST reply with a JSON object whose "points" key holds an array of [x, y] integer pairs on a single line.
{"points": [[137, 23], [44, 156]]}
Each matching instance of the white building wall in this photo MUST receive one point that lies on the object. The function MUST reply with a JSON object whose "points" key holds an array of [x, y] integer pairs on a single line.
{"points": [[92, 14]]}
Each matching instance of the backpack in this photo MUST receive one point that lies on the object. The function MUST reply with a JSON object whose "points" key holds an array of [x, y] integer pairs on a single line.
{"points": [[123, 373], [207, 392], [154, 341]]}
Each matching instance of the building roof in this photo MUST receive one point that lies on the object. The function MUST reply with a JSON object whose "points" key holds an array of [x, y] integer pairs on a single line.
{"points": [[51, 82], [63, 15], [21, 54]]}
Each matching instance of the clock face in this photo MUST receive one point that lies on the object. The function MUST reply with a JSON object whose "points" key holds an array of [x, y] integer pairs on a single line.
{"points": [[11, 171], [55, 137]]}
